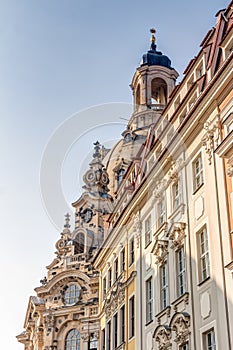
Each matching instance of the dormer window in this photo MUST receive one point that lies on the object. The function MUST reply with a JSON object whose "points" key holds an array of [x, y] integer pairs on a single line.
{"points": [[128, 138]]}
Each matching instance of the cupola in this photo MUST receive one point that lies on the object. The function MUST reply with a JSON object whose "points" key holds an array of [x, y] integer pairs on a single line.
{"points": [[152, 84]]}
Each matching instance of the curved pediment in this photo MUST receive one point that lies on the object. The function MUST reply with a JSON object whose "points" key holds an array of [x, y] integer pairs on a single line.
{"points": [[62, 278]]}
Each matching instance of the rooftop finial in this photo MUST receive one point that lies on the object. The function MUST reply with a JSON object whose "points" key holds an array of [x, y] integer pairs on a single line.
{"points": [[67, 221], [96, 153], [153, 39]]}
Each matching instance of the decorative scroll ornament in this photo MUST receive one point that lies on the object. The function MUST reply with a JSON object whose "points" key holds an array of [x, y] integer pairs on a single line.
{"points": [[137, 223], [161, 251], [97, 334], [230, 168], [159, 189], [162, 335], [85, 337], [174, 170], [117, 295], [180, 323], [49, 321], [211, 139], [137, 227], [177, 234], [40, 335]]}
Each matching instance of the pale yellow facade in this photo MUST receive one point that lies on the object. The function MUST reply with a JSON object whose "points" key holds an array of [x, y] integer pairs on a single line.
{"points": [[149, 264]]}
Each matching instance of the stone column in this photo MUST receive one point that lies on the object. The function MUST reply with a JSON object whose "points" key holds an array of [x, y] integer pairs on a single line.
{"points": [[85, 338]]}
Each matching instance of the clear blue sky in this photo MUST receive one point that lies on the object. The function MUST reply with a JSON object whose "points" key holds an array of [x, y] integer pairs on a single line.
{"points": [[56, 58]]}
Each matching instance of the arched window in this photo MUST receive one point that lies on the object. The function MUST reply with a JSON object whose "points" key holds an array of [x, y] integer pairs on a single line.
{"points": [[73, 340], [79, 243], [138, 96], [120, 175], [159, 91]]}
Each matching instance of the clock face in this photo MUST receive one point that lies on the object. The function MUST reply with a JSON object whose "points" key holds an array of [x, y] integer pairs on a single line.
{"points": [[72, 294], [89, 177]]}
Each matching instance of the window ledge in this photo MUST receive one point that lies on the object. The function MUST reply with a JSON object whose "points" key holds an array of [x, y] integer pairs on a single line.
{"points": [[121, 346], [163, 312], [198, 188], [147, 244], [204, 281], [178, 210], [184, 297], [131, 338], [148, 322]]}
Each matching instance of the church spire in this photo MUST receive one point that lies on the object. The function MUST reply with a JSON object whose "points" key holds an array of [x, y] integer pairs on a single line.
{"points": [[96, 178]]}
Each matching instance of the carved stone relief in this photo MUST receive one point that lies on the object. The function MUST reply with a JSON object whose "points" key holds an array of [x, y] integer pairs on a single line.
{"points": [[177, 234], [211, 138], [161, 251], [162, 335], [180, 323]]}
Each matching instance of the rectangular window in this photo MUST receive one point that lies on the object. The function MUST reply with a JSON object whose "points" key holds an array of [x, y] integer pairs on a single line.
{"points": [[122, 325], [104, 287], [184, 346], [109, 278], [116, 269], [103, 339], [131, 252], [161, 212], [176, 195], [181, 273], [164, 285], [148, 231], [93, 342], [204, 254], [197, 173], [131, 317], [209, 340], [123, 259], [109, 335], [149, 300], [115, 331]]}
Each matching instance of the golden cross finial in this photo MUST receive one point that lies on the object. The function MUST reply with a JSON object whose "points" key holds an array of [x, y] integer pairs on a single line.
{"points": [[153, 31]]}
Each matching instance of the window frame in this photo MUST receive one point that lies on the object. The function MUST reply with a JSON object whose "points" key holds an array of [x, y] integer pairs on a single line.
{"points": [[68, 340], [206, 345], [184, 346], [131, 317], [122, 324], [176, 191], [149, 300], [104, 287], [164, 287], [148, 230], [198, 174], [109, 278], [94, 340], [116, 269], [108, 338], [122, 259], [161, 213], [180, 271], [131, 251], [72, 293], [103, 336], [115, 331], [203, 254]]}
